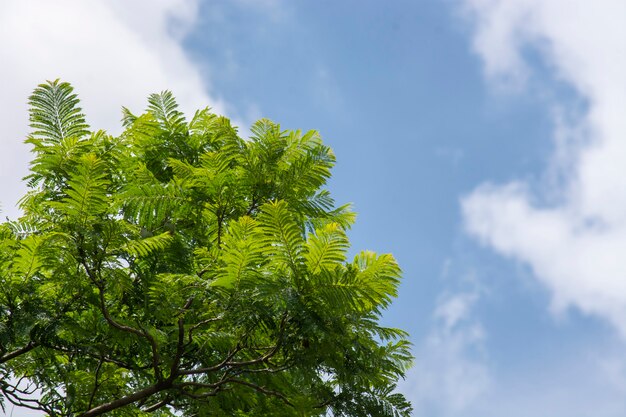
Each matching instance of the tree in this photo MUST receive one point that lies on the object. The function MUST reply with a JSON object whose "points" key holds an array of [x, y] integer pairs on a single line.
{"points": [[180, 268]]}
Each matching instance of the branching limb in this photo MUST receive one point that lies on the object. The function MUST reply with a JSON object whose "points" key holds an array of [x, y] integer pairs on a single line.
{"points": [[180, 346], [22, 397], [96, 383], [128, 399], [261, 389], [141, 333], [18, 352], [200, 324], [213, 368], [157, 405]]}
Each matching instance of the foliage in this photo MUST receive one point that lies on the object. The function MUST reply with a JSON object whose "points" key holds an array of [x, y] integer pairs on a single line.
{"points": [[178, 268]]}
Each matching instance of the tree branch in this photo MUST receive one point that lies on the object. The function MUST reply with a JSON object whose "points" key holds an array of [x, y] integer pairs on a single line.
{"points": [[200, 324], [8, 356], [96, 383], [129, 399], [180, 346], [141, 333], [210, 368], [157, 405], [261, 389]]}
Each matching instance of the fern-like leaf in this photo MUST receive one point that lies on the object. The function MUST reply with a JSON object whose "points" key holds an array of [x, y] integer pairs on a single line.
{"points": [[280, 234], [145, 247], [86, 195], [242, 253], [326, 248], [165, 109], [54, 113], [367, 285], [28, 259], [128, 118], [380, 274]]}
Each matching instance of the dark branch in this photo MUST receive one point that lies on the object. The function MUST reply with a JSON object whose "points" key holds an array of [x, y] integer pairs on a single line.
{"points": [[141, 333], [96, 383], [129, 399], [180, 346], [157, 405], [213, 368], [8, 356], [261, 389]]}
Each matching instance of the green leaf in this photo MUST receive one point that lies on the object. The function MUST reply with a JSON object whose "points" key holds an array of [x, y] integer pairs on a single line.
{"points": [[86, 196], [242, 253], [149, 245], [326, 248], [54, 113], [280, 234], [165, 109]]}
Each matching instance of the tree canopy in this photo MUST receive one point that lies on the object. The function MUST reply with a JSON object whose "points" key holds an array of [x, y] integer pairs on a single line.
{"points": [[178, 268]]}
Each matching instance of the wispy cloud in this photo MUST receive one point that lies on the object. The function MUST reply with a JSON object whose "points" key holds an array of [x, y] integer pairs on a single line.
{"points": [[114, 52], [574, 243], [451, 372], [457, 374]]}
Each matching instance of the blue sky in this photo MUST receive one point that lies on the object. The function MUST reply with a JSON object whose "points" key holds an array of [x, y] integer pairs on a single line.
{"points": [[480, 141]]}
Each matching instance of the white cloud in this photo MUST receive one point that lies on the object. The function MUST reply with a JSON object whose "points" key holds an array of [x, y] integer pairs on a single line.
{"points": [[451, 373], [114, 52], [575, 246]]}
